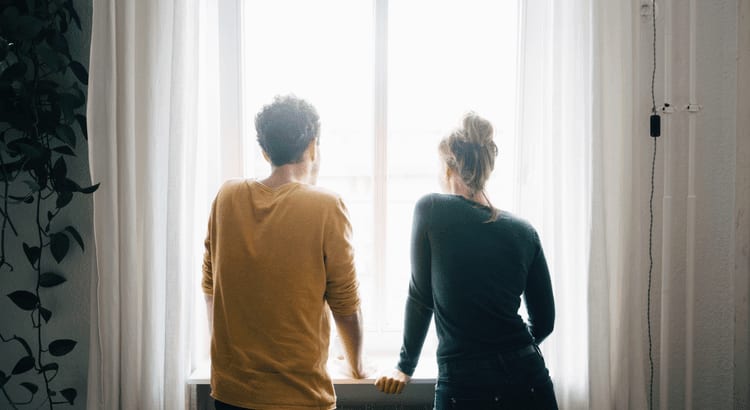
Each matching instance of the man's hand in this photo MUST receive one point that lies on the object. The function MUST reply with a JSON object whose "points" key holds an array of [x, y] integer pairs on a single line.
{"points": [[393, 384]]}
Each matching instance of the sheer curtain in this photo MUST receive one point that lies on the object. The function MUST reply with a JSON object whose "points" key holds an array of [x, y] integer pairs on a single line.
{"points": [[618, 350], [159, 161], [581, 178], [553, 157], [162, 143]]}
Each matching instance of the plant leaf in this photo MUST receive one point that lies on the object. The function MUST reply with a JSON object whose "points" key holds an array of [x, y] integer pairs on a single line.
{"points": [[3, 378], [61, 347], [65, 150], [73, 14], [24, 300], [49, 367], [31, 387], [63, 198], [59, 245], [49, 280], [68, 185], [16, 71], [74, 233], [32, 253], [89, 190], [82, 123], [28, 27], [58, 43], [46, 314], [24, 343], [80, 72], [24, 365], [65, 134], [69, 394], [59, 170]]}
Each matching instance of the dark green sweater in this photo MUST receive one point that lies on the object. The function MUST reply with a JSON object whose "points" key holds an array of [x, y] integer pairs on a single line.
{"points": [[472, 274]]}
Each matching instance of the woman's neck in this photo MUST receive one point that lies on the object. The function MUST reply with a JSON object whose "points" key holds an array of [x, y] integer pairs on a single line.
{"points": [[459, 188]]}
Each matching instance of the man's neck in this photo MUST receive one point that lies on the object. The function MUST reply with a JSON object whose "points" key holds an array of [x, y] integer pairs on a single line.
{"points": [[288, 173]]}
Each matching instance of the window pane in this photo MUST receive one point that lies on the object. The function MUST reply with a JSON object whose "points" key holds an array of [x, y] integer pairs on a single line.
{"points": [[461, 56], [320, 51]]}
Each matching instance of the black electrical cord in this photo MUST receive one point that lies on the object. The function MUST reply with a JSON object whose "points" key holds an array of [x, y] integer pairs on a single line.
{"points": [[655, 124]]}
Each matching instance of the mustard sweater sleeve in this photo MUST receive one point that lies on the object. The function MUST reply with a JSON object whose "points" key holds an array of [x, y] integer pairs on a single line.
{"points": [[342, 288], [207, 283]]}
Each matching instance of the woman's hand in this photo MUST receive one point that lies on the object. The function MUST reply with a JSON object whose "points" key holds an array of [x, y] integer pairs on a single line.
{"points": [[393, 384]]}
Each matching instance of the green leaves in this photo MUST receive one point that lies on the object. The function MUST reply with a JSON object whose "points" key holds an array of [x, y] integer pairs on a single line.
{"points": [[14, 72], [24, 299], [65, 134], [24, 365], [49, 280], [42, 110], [28, 28], [61, 347], [63, 199], [74, 233], [32, 253], [46, 314], [89, 190], [69, 394], [59, 245], [81, 120], [31, 387], [80, 72]]}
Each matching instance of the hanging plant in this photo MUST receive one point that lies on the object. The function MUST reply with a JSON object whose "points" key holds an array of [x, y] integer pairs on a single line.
{"points": [[42, 108]]}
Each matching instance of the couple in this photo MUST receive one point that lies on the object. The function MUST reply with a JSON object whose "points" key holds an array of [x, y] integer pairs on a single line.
{"points": [[279, 256]]}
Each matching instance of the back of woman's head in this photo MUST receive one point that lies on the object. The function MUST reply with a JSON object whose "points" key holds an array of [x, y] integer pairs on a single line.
{"points": [[470, 152]]}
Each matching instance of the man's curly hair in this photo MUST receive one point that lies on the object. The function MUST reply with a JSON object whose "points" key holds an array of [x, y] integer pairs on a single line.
{"points": [[285, 129]]}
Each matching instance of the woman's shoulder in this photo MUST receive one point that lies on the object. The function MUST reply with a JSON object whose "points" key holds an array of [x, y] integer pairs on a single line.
{"points": [[519, 224]]}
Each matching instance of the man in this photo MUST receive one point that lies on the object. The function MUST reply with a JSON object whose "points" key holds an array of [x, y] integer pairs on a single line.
{"points": [[278, 255]]}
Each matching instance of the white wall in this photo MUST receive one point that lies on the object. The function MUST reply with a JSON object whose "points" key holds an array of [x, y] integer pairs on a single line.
{"points": [[742, 213], [701, 286], [70, 301]]}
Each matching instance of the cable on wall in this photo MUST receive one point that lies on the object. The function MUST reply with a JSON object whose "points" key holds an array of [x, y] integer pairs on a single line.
{"points": [[655, 131]]}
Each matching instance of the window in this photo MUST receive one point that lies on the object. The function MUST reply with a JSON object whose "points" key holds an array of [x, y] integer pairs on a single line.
{"points": [[389, 80]]}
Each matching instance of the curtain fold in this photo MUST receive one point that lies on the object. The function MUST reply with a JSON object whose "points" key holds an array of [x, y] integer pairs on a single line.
{"points": [[154, 115], [553, 157], [617, 271], [142, 112]]}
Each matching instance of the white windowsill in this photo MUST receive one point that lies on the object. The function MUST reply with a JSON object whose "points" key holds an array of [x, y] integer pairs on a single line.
{"points": [[426, 373]]}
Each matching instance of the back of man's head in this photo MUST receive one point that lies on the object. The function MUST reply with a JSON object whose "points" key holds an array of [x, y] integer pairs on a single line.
{"points": [[285, 129]]}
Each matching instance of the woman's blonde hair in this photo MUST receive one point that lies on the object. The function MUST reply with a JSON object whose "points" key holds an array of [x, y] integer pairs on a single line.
{"points": [[470, 152]]}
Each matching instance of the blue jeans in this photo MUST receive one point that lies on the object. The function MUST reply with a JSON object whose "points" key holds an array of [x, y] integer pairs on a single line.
{"points": [[516, 380]]}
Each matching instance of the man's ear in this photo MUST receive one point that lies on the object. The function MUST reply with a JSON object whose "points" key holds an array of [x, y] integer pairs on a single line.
{"points": [[266, 157], [312, 149]]}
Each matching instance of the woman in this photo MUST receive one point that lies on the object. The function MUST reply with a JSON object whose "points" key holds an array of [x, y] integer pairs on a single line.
{"points": [[471, 263]]}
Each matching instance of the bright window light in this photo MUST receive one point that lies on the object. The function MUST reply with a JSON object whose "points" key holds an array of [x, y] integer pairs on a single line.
{"points": [[443, 58]]}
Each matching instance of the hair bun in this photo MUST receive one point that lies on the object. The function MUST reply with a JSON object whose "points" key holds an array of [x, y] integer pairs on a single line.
{"points": [[477, 130]]}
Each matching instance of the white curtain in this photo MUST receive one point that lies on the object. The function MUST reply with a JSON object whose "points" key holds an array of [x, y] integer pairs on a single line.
{"points": [[156, 156], [618, 347], [159, 146], [553, 157], [581, 180]]}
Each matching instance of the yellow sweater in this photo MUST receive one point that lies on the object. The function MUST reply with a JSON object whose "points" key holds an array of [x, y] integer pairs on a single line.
{"points": [[275, 260]]}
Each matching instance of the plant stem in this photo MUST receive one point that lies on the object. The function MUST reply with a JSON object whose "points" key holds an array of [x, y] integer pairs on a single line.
{"points": [[5, 393], [6, 218], [38, 284]]}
